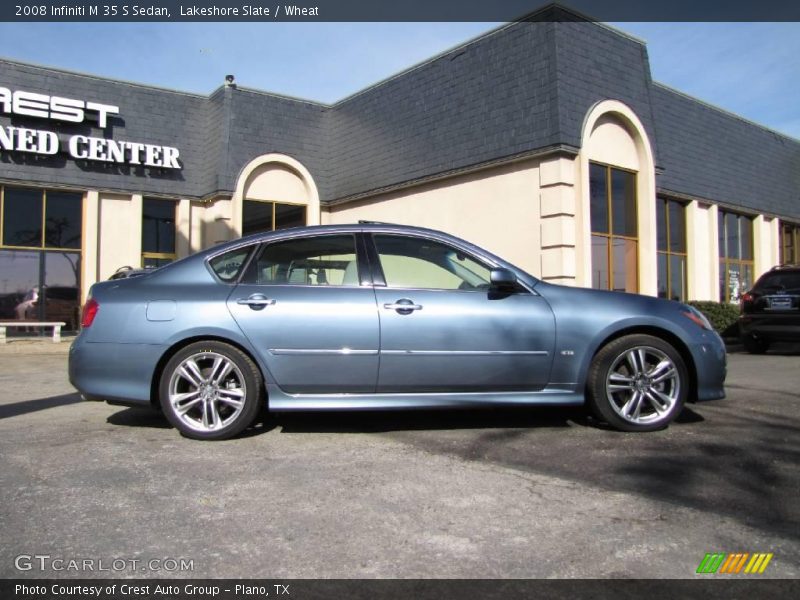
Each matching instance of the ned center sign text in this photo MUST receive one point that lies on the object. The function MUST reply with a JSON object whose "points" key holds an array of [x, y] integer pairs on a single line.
{"points": [[81, 147]]}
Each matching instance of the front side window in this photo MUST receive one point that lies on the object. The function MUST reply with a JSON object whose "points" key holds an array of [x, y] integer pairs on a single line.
{"points": [[615, 238], [417, 263], [671, 248], [735, 255], [325, 260], [158, 232]]}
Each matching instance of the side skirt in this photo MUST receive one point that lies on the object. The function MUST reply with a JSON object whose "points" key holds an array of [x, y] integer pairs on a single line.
{"points": [[280, 401]]}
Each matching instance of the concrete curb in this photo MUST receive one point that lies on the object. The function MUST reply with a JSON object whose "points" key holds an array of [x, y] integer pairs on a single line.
{"points": [[28, 346]]}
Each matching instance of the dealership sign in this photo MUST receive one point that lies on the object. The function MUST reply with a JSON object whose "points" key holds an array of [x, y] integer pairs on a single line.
{"points": [[81, 147]]}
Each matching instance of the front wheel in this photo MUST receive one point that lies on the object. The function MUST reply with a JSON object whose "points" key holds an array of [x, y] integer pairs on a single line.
{"points": [[637, 383], [210, 391]]}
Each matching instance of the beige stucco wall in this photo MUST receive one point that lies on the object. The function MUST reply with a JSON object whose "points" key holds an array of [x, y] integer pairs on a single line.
{"points": [[120, 233], [496, 208], [274, 181], [218, 222], [611, 142], [559, 221]]}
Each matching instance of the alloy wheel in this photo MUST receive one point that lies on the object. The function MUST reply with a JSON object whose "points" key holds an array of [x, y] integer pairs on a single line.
{"points": [[207, 391], [643, 385]]}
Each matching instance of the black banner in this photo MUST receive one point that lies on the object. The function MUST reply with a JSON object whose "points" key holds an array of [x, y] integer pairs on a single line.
{"points": [[400, 589], [396, 10]]}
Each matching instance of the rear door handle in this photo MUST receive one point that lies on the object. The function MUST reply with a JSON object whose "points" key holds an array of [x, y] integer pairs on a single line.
{"points": [[256, 301], [404, 306]]}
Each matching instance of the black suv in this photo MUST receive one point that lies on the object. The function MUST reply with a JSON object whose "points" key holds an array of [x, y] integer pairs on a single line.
{"points": [[771, 310]]}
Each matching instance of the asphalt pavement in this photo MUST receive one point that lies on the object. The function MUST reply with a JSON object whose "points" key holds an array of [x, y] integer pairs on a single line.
{"points": [[436, 494]]}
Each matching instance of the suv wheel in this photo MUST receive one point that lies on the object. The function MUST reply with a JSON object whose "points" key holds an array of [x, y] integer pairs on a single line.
{"points": [[755, 345]]}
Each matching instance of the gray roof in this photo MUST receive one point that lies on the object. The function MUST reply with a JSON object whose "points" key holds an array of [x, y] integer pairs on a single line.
{"points": [[523, 89], [712, 154]]}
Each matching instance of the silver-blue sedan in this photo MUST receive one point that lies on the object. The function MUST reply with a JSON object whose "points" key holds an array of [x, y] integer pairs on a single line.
{"points": [[379, 316]]}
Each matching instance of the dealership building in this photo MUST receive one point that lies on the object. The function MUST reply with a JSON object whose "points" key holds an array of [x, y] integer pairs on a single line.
{"points": [[545, 141]]}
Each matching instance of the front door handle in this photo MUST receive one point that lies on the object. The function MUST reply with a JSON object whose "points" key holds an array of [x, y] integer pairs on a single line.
{"points": [[256, 301], [404, 306]]}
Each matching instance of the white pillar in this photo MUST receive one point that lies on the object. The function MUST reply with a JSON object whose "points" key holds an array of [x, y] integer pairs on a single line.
{"points": [[91, 226]]}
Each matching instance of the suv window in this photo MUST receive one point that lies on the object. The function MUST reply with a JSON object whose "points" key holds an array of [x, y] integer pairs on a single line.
{"points": [[410, 262], [323, 260], [779, 281]]}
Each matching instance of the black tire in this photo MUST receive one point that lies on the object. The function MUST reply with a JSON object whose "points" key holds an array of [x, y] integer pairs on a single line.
{"points": [[201, 387], [754, 345], [659, 393]]}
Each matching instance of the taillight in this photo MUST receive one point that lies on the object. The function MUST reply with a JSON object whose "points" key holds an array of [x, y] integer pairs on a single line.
{"points": [[747, 297], [89, 312]]}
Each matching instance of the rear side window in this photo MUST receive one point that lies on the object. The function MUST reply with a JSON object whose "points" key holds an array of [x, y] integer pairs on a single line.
{"points": [[780, 282], [227, 266], [324, 260]]}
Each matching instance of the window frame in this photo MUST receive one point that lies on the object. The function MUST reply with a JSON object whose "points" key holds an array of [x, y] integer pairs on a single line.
{"points": [[610, 236], [725, 261], [171, 256], [43, 234], [669, 253], [790, 231], [273, 203]]}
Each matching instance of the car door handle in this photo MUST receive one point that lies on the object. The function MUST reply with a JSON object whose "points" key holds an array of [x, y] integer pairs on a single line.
{"points": [[256, 301], [404, 306]]}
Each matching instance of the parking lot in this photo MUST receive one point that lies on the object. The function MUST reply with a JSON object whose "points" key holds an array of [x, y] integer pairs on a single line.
{"points": [[479, 494]]}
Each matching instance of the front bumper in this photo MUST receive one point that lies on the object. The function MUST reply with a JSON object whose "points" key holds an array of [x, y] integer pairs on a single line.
{"points": [[711, 367]]}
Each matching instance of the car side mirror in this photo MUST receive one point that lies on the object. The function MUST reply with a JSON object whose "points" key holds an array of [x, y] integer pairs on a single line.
{"points": [[502, 278]]}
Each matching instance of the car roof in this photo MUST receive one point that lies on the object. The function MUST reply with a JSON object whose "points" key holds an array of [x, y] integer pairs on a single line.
{"points": [[361, 226]]}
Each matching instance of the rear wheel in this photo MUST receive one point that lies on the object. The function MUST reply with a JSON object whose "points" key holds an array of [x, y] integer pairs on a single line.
{"points": [[210, 391], [637, 383], [754, 345]]}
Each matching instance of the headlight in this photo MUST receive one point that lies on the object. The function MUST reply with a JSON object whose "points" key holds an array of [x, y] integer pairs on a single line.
{"points": [[698, 318]]}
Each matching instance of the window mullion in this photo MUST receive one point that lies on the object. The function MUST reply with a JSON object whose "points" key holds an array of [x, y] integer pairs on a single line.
{"points": [[610, 217]]}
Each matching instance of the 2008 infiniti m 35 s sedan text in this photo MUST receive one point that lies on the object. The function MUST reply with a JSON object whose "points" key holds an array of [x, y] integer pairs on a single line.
{"points": [[379, 316]]}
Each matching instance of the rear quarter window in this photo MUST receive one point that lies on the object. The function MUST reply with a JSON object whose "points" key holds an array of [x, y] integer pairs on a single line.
{"points": [[228, 265]]}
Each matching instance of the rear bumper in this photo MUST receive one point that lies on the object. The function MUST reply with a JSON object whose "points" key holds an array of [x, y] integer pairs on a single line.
{"points": [[113, 372], [771, 327]]}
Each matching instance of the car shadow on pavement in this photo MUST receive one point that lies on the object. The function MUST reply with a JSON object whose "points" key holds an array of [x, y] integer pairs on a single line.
{"points": [[735, 465], [154, 419], [30, 406], [139, 417], [430, 420]]}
